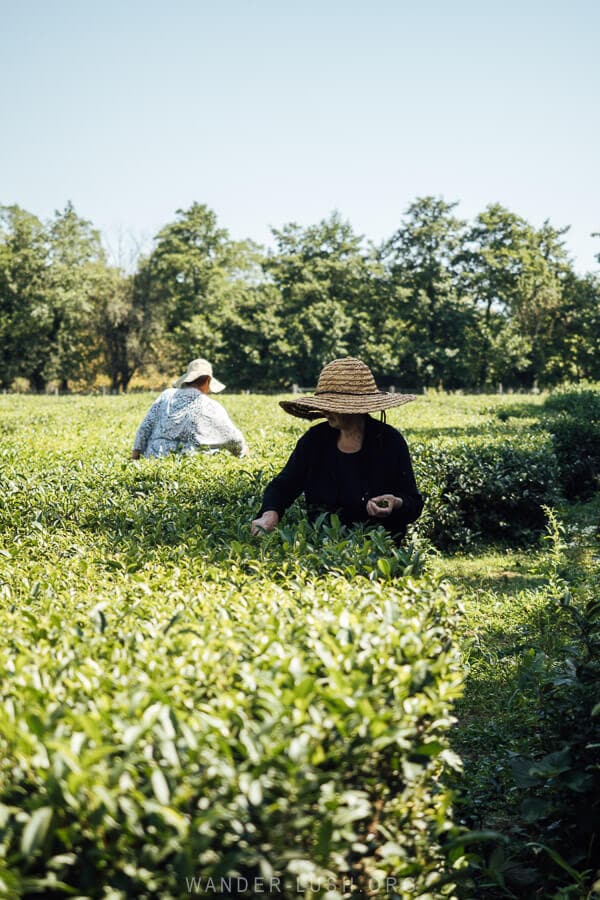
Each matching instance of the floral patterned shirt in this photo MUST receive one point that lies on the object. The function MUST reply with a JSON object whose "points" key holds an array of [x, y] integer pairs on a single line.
{"points": [[183, 420]]}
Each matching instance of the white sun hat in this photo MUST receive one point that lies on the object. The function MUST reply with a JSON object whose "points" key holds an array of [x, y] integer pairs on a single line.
{"points": [[196, 369]]}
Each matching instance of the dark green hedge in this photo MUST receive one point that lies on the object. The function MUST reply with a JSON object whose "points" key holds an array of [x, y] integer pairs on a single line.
{"points": [[486, 489], [573, 419]]}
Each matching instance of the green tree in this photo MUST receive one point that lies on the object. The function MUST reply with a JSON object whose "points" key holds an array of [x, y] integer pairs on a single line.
{"points": [[514, 275], [254, 347], [437, 320], [121, 325], [75, 253], [575, 350], [327, 281], [193, 279], [25, 319]]}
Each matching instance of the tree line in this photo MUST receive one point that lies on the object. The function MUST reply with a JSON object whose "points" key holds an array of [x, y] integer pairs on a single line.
{"points": [[442, 303]]}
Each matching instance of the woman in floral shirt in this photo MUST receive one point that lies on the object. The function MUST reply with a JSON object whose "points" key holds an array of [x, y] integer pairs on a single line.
{"points": [[184, 419]]}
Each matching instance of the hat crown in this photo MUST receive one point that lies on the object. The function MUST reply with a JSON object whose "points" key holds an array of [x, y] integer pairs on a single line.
{"points": [[196, 369], [202, 366], [346, 376]]}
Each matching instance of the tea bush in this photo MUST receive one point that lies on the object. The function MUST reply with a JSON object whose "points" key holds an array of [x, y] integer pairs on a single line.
{"points": [[577, 447], [252, 730], [182, 701], [573, 420], [548, 773], [560, 789], [486, 488], [581, 402], [571, 416]]}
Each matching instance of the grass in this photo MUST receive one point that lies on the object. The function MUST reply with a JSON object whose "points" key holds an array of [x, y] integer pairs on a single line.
{"points": [[511, 636]]}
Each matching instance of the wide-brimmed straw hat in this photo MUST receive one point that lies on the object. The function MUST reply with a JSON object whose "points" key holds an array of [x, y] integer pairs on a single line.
{"points": [[196, 369], [345, 386]]}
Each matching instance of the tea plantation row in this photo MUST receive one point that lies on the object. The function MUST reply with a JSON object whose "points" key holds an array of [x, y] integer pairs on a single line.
{"points": [[182, 701]]}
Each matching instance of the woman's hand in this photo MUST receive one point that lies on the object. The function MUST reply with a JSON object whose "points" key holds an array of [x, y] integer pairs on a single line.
{"points": [[267, 522], [382, 506]]}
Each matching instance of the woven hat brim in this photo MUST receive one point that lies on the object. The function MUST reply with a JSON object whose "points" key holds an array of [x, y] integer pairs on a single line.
{"points": [[216, 386], [317, 406]]}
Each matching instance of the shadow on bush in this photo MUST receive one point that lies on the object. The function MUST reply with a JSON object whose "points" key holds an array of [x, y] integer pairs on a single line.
{"points": [[571, 416], [486, 490], [534, 687], [573, 420]]}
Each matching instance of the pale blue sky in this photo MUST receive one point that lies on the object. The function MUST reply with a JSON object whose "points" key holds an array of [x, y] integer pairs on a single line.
{"points": [[272, 112]]}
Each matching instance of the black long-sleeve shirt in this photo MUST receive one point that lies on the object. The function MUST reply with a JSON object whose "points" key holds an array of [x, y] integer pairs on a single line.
{"points": [[336, 482]]}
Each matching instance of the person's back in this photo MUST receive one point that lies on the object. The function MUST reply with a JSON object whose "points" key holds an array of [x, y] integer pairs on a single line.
{"points": [[183, 419]]}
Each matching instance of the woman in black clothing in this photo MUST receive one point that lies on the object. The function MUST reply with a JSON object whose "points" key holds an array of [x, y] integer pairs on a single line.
{"points": [[352, 465]]}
